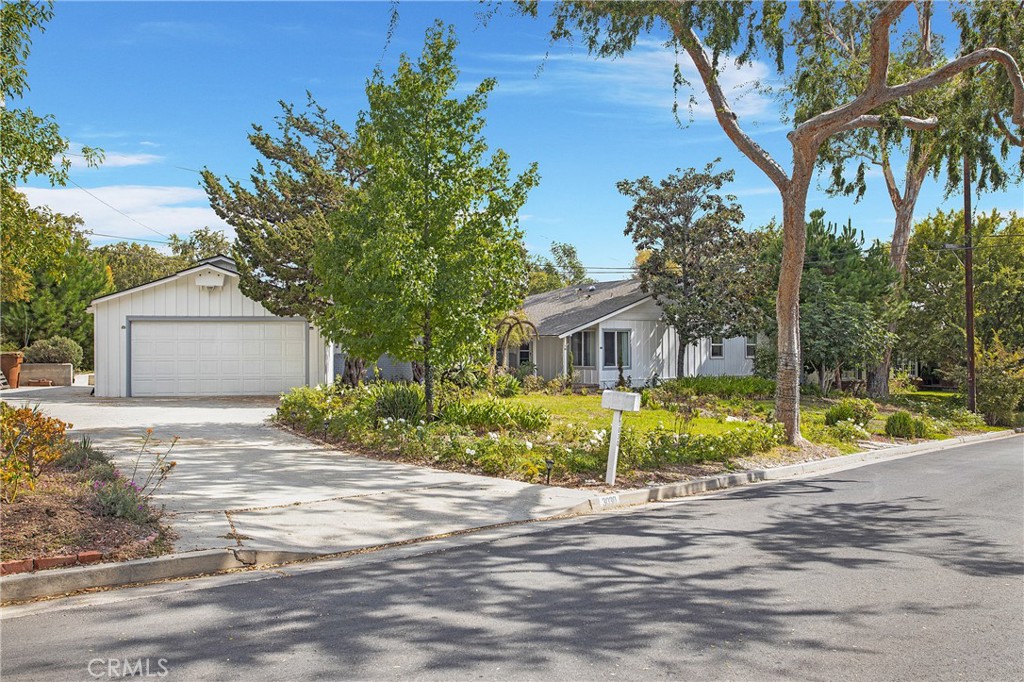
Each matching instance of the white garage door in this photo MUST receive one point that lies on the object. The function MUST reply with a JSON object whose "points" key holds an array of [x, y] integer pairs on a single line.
{"points": [[234, 357]]}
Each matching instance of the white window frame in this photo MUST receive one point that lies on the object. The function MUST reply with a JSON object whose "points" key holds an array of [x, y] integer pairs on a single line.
{"points": [[720, 345], [628, 361], [584, 346], [749, 347]]}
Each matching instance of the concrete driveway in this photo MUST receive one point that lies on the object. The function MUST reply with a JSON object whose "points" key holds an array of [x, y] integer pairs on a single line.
{"points": [[241, 482]]}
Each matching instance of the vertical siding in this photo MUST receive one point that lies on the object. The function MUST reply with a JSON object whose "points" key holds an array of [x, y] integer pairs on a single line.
{"points": [[179, 297], [734, 362], [548, 356]]}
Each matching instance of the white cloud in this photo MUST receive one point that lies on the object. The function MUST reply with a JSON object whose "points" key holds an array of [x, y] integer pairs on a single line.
{"points": [[642, 78], [122, 160], [165, 209]]}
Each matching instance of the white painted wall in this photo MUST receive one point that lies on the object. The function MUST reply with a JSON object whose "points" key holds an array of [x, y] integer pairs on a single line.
{"points": [[698, 361], [176, 297]]}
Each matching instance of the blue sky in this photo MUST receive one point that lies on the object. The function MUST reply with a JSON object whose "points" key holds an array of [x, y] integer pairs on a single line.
{"points": [[168, 88]]}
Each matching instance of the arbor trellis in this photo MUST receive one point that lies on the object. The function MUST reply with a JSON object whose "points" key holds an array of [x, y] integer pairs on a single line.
{"points": [[612, 29]]}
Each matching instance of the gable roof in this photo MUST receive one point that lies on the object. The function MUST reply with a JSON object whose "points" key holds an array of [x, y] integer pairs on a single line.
{"points": [[220, 262], [564, 311]]}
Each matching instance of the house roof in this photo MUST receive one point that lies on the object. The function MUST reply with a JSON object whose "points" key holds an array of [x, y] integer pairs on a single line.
{"points": [[565, 311], [220, 262]]}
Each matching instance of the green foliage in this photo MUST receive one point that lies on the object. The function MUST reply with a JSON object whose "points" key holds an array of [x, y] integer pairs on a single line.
{"points": [[725, 387], [312, 172], [933, 328], [902, 383], [563, 269], [505, 385], [200, 244], [307, 408], [900, 424], [404, 402], [80, 454], [426, 254], [55, 349], [847, 432], [32, 239], [132, 264], [533, 383], [494, 415], [859, 411], [1000, 382], [766, 360], [59, 303], [699, 261], [121, 498]]}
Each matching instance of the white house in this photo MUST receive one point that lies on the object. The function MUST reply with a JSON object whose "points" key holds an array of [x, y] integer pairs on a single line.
{"points": [[194, 333], [595, 327]]}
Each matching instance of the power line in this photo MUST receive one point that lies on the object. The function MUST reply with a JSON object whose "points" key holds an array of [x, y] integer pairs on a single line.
{"points": [[127, 239], [117, 210]]}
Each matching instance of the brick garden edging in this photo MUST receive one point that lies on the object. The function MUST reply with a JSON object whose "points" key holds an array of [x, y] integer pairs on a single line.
{"points": [[42, 563]]}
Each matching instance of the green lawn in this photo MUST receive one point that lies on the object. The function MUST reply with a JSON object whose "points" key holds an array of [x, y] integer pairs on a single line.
{"points": [[587, 410]]}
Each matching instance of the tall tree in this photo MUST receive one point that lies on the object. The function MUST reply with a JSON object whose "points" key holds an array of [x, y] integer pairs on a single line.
{"points": [[563, 269], [709, 32], [29, 145], [279, 220], [832, 43], [200, 244], [132, 264], [933, 330], [427, 254], [59, 305], [700, 265]]}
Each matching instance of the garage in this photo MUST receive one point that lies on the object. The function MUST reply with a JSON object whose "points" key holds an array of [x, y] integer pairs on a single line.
{"points": [[196, 334]]}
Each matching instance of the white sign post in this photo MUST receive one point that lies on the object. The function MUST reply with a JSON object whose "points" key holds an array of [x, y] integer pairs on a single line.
{"points": [[619, 402]]}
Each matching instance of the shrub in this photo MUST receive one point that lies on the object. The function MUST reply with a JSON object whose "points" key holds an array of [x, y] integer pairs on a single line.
{"points": [[900, 424], [921, 428], [398, 401], [847, 432], [55, 349], [533, 384], [858, 410], [901, 383], [308, 407], [962, 418], [81, 455], [494, 414], [723, 387], [1000, 382], [29, 440], [766, 360], [122, 499], [505, 385]]}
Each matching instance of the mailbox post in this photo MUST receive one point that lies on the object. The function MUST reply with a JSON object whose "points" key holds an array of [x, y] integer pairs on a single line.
{"points": [[618, 402]]}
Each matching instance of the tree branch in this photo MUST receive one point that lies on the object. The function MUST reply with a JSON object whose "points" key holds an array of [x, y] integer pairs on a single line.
{"points": [[725, 115], [874, 121], [890, 183], [1001, 124], [958, 66], [879, 70]]}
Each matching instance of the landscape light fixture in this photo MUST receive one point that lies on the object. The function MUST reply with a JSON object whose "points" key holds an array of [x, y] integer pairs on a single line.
{"points": [[549, 463]]}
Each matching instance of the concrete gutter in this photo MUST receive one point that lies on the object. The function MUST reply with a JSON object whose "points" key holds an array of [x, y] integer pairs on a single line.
{"points": [[54, 582], [24, 586], [628, 498]]}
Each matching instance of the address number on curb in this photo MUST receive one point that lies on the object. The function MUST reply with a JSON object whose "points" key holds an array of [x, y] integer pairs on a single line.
{"points": [[607, 500]]}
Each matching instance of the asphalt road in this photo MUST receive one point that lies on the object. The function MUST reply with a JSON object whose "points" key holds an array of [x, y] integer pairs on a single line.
{"points": [[911, 569]]}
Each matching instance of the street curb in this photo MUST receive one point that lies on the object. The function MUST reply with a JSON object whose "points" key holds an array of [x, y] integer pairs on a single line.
{"points": [[21, 586], [49, 583], [629, 498]]}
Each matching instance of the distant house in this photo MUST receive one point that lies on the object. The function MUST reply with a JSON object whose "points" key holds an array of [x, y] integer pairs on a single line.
{"points": [[598, 327]]}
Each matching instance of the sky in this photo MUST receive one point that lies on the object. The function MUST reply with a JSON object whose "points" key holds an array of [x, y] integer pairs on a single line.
{"points": [[168, 88]]}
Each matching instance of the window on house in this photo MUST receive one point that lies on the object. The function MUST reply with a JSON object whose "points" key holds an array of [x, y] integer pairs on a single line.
{"points": [[616, 349], [717, 347], [581, 344], [751, 346], [523, 355]]}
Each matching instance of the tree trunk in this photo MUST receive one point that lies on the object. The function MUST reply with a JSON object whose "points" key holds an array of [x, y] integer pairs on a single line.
{"points": [[353, 372], [787, 300], [821, 380], [428, 367]]}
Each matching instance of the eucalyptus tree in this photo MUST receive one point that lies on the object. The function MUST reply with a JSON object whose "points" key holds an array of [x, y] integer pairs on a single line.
{"points": [[427, 253], [832, 49], [710, 33]]}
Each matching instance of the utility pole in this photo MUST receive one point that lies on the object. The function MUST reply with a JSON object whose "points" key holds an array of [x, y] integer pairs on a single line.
{"points": [[972, 389]]}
